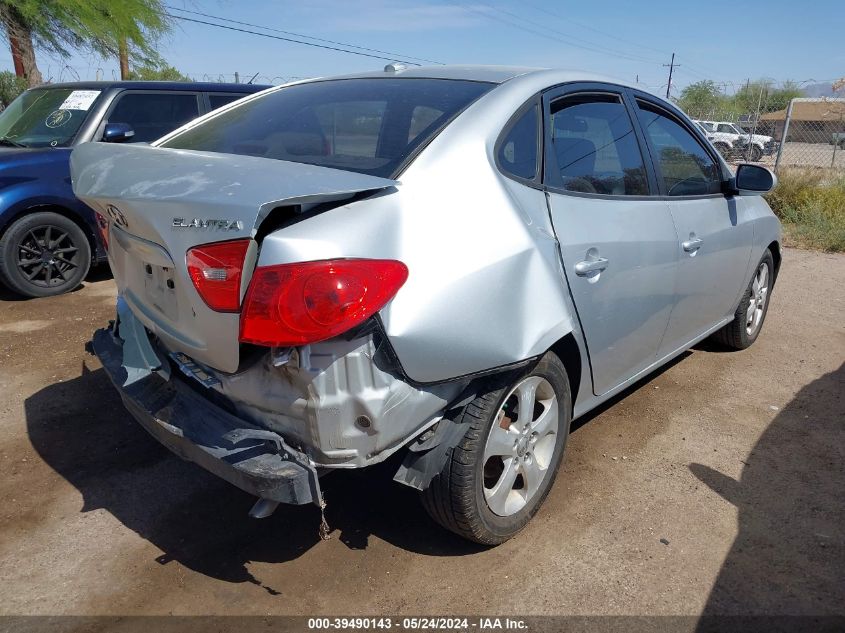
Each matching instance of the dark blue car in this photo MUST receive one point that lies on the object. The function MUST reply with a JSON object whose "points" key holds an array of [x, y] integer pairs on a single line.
{"points": [[48, 238]]}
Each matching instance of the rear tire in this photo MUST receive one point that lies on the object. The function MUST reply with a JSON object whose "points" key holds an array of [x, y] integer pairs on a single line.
{"points": [[749, 316], [489, 489], [44, 254]]}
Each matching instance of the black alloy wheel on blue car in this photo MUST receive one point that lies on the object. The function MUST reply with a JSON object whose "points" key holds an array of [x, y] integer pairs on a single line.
{"points": [[44, 254]]}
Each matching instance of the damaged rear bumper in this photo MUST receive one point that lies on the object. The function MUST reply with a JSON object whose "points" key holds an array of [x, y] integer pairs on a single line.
{"points": [[255, 460]]}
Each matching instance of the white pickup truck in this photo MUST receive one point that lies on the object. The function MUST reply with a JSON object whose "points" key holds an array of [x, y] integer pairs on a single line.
{"points": [[727, 144], [730, 139]]}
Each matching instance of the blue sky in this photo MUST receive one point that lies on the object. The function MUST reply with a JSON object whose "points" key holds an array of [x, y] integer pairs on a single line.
{"points": [[724, 41]]}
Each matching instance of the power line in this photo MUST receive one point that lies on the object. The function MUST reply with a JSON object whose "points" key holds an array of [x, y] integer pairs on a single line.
{"points": [[534, 31], [309, 37], [703, 72], [569, 20], [288, 39], [590, 46]]}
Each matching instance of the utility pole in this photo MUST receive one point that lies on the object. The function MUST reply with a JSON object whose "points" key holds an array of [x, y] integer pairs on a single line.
{"points": [[672, 65]]}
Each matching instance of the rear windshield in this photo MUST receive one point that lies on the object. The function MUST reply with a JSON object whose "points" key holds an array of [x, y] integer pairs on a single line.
{"points": [[365, 125]]}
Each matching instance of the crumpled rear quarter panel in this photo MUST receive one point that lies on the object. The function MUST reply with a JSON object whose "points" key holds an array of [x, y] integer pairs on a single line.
{"points": [[485, 286]]}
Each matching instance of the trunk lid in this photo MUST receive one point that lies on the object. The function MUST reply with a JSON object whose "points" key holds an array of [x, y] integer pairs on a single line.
{"points": [[161, 202]]}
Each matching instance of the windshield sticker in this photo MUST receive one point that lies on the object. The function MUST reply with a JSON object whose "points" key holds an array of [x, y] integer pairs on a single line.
{"points": [[57, 118], [79, 100]]}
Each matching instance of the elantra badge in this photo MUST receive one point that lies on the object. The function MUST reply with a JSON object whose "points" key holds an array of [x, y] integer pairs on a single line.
{"points": [[203, 223]]}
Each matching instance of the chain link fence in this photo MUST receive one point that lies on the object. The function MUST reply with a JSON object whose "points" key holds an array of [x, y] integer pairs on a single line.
{"points": [[773, 126], [811, 133]]}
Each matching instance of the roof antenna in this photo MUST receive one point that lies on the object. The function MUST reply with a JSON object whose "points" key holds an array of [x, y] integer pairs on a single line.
{"points": [[395, 67]]}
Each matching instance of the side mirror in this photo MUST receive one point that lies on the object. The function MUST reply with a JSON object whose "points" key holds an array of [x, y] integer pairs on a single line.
{"points": [[753, 180], [117, 132]]}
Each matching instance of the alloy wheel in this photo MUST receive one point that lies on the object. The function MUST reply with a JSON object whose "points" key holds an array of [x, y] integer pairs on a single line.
{"points": [[520, 446], [757, 301], [47, 256]]}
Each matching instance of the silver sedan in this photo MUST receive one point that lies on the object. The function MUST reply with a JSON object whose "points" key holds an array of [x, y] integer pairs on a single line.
{"points": [[446, 264]]}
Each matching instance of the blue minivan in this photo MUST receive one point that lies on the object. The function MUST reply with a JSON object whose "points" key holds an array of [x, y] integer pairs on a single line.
{"points": [[48, 238]]}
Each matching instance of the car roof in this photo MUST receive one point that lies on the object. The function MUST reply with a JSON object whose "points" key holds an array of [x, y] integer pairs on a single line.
{"points": [[202, 86], [490, 74]]}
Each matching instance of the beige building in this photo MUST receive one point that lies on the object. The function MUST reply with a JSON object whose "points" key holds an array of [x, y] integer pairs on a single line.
{"points": [[813, 121]]}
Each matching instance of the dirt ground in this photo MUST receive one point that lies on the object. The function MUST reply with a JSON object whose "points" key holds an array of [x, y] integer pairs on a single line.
{"points": [[714, 487], [795, 154]]}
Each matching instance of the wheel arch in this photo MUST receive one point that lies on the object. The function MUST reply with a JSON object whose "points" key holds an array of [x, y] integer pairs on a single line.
{"points": [[70, 214], [569, 353], [774, 248]]}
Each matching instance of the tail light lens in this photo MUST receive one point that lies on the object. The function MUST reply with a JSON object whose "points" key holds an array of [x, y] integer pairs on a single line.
{"points": [[103, 226], [216, 270], [297, 304]]}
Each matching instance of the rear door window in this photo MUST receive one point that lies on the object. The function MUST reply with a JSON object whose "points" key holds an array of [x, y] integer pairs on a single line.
{"points": [[366, 125], [154, 114], [594, 148]]}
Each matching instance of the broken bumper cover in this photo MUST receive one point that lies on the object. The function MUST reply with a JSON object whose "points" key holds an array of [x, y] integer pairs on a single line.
{"points": [[255, 460]]}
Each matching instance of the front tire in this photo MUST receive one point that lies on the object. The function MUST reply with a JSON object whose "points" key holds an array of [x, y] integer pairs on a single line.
{"points": [[500, 472], [44, 254], [755, 154], [723, 149], [749, 316]]}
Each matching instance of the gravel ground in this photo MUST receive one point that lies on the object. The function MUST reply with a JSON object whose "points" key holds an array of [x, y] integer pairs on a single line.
{"points": [[716, 486]]}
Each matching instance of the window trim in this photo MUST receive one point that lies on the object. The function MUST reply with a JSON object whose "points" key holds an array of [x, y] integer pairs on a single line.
{"points": [[597, 88], [677, 116], [537, 181], [201, 103]]}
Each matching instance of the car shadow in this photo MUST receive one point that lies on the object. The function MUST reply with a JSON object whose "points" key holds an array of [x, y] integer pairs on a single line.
{"points": [[789, 554], [712, 347], [99, 272], [80, 428]]}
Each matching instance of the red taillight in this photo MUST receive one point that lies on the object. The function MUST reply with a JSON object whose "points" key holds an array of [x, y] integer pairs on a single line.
{"points": [[103, 226], [215, 270], [297, 304]]}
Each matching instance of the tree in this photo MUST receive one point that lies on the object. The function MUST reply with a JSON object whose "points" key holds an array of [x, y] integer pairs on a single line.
{"points": [[162, 72], [19, 34], [10, 87], [763, 95], [105, 27], [701, 99], [779, 99]]}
